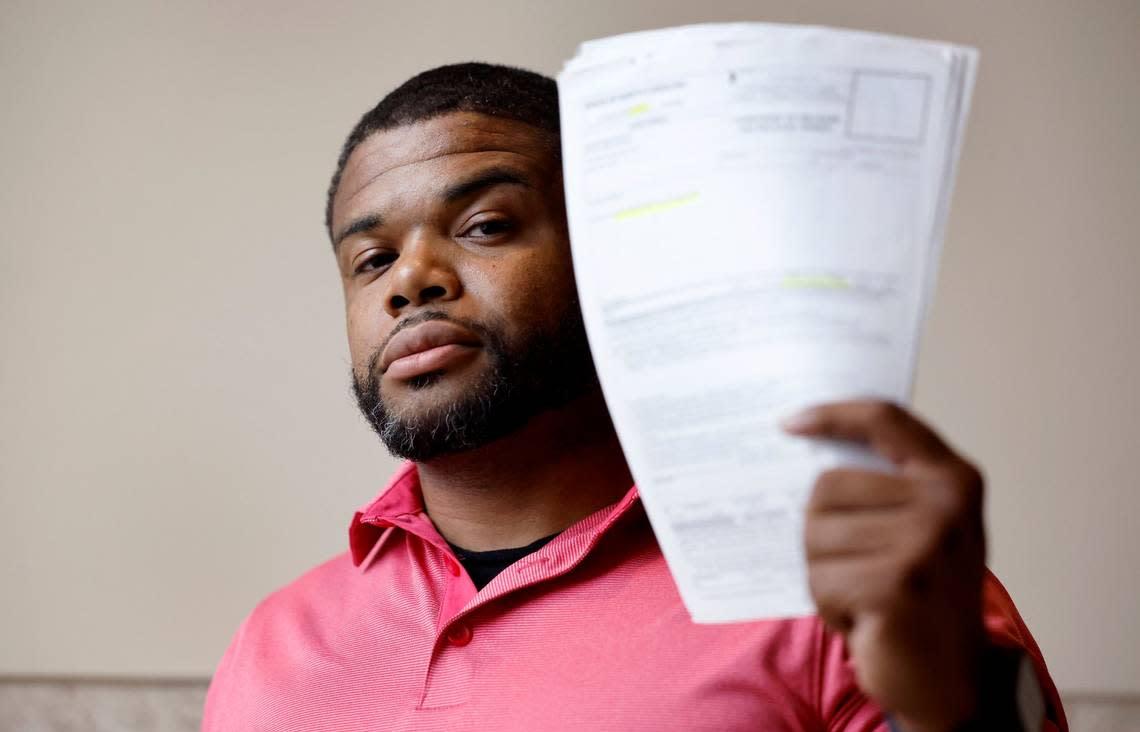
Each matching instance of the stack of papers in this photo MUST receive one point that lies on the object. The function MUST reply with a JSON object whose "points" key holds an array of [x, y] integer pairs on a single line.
{"points": [[756, 213]]}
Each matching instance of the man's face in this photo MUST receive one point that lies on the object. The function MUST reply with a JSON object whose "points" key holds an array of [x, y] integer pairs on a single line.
{"points": [[463, 320]]}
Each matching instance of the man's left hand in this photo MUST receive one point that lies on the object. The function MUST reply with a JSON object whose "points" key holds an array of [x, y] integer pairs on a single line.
{"points": [[896, 562]]}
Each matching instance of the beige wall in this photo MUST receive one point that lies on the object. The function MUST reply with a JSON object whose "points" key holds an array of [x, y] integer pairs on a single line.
{"points": [[176, 432]]}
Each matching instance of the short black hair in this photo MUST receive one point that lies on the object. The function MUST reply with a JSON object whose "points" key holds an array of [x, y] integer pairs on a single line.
{"points": [[492, 89]]}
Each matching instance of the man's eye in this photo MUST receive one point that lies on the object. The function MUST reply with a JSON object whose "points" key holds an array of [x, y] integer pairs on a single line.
{"points": [[375, 261], [487, 229]]}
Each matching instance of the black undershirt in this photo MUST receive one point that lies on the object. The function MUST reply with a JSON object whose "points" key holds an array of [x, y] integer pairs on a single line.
{"points": [[483, 567]]}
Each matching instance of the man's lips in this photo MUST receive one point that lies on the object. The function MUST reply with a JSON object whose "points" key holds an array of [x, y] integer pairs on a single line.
{"points": [[427, 347]]}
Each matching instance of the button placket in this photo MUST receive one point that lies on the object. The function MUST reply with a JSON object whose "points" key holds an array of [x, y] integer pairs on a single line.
{"points": [[451, 664]]}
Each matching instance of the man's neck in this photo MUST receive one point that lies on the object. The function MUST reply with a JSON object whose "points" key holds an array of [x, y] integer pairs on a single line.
{"points": [[561, 467]]}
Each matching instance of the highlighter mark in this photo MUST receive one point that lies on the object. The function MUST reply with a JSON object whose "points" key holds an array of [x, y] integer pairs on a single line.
{"points": [[655, 207], [816, 282], [638, 109]]}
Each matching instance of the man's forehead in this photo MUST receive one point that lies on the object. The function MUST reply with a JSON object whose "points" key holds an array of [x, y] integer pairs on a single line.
{"points": [[457, 139]]}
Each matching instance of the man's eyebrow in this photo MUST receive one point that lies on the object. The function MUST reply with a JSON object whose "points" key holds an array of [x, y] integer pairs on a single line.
{"points": [[486, 179], [364, 223]]}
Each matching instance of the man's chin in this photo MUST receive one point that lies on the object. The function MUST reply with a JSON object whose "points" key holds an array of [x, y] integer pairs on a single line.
{"points": [[439, 415]]}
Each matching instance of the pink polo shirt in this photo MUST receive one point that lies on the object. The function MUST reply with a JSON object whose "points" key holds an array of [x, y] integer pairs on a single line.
{"points": [[587, 633]]}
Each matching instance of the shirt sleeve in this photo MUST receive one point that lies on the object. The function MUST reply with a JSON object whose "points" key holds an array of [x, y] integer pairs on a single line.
{"points": [[1005, 627]]}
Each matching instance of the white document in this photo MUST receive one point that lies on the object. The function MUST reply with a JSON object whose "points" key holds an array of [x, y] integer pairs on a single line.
{"points": [[756, 213]]}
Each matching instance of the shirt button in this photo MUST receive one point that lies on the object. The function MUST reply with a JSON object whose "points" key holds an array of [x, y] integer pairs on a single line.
{"points": [[459, 635]]}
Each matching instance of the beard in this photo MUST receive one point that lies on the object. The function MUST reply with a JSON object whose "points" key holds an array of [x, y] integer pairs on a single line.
{"points": [[539, 372]]}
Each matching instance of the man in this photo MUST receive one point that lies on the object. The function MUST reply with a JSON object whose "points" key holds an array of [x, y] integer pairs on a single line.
{"points": [[507, 578]]}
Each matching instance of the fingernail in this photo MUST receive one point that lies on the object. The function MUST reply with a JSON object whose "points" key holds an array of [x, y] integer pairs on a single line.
{"points": [[798, 421]]}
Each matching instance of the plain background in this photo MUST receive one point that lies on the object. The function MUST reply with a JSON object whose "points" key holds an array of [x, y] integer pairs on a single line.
{"points": [[177, 436]]}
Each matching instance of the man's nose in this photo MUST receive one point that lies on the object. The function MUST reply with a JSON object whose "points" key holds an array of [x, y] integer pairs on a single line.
{"points": [[420, 275]]}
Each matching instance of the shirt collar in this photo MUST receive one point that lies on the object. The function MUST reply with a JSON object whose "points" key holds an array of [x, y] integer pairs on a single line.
{"points": [[401, 504]]}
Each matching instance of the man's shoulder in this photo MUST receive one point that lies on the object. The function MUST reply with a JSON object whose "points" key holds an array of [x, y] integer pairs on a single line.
{"points": [[274, 643], [317, 585], [290, 614]]}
